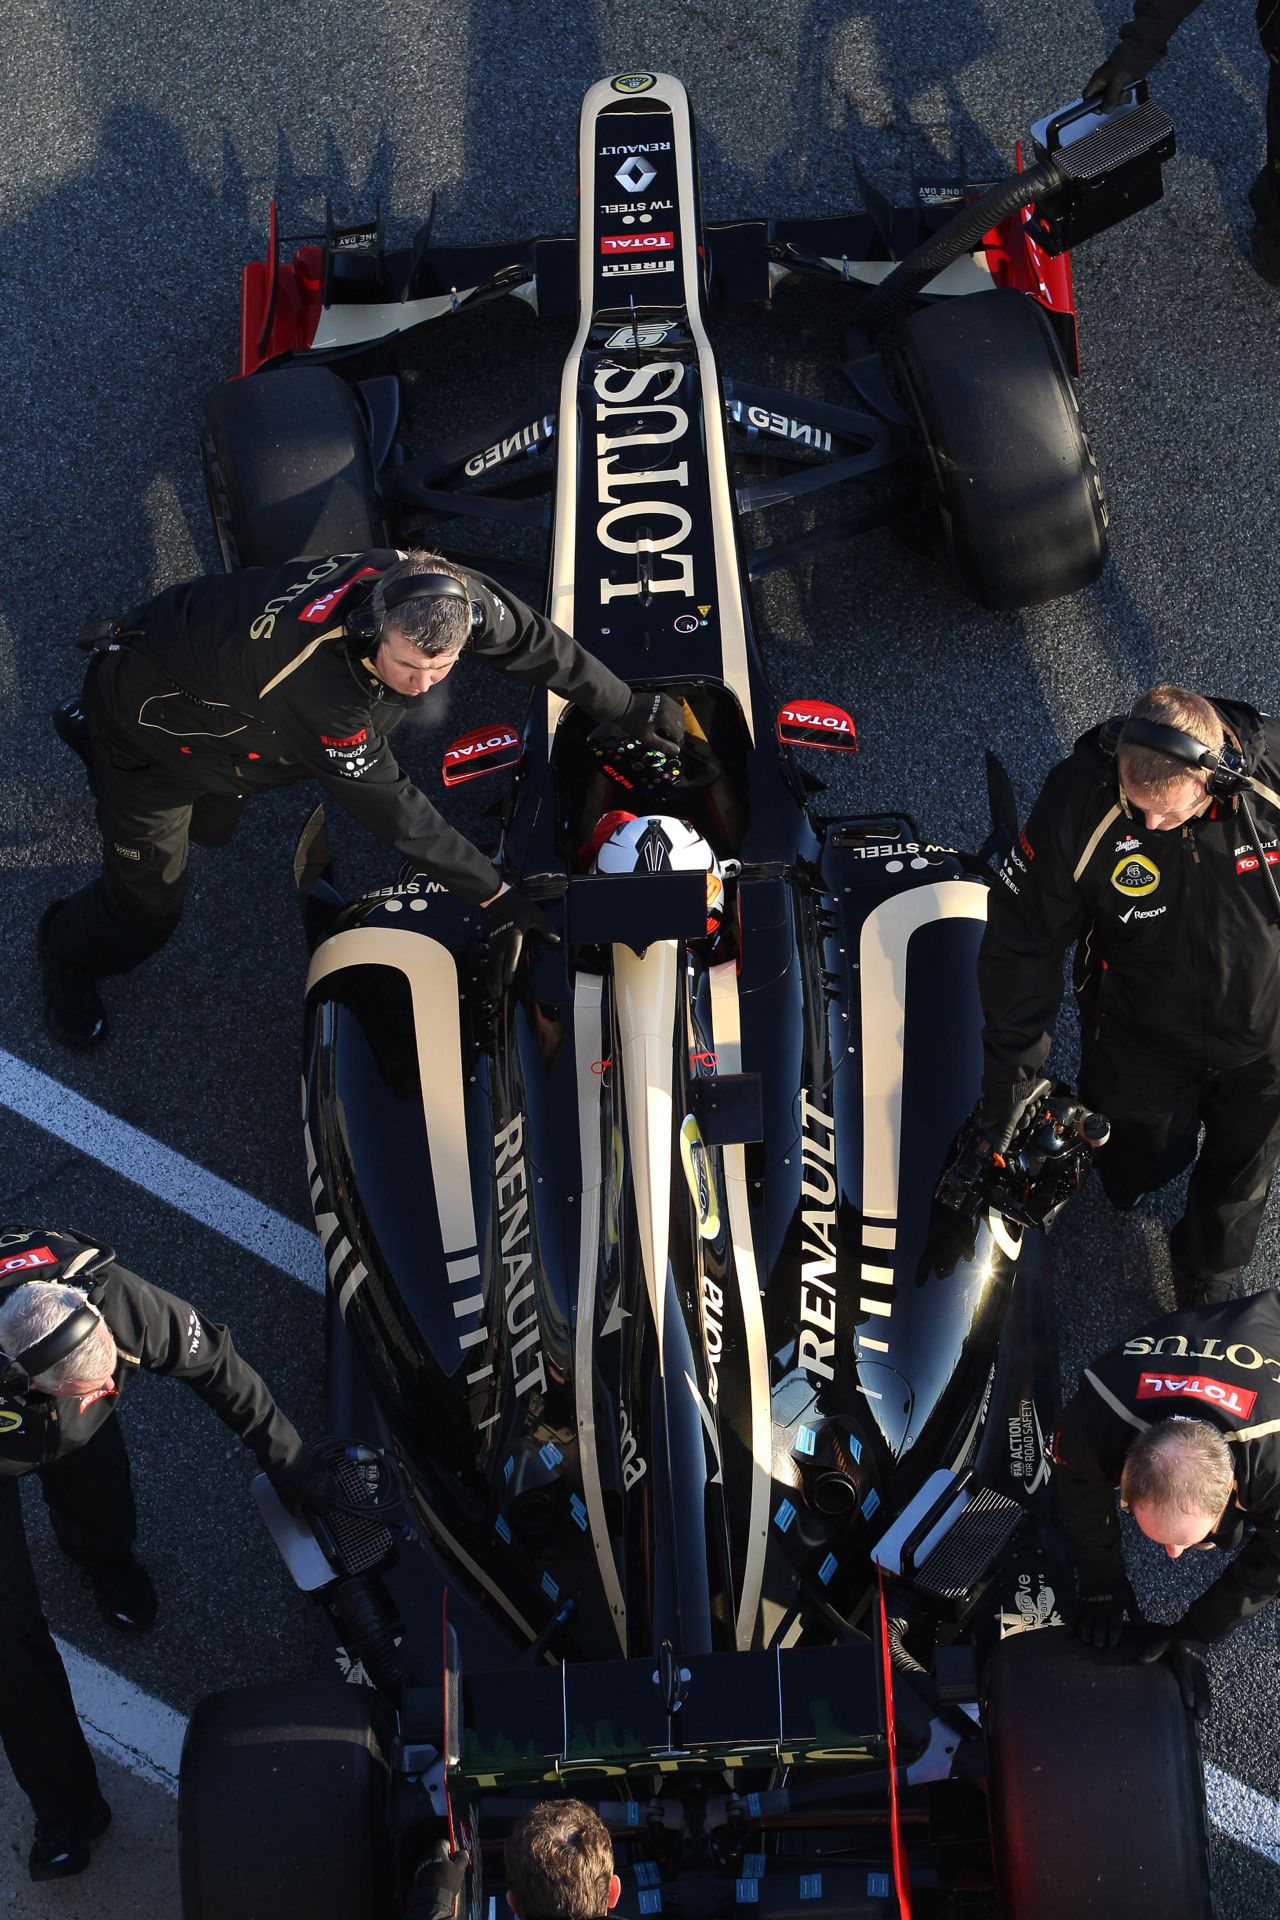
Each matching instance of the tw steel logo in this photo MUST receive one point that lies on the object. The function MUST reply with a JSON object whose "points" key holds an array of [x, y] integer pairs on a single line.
{"points": [[653, 524], [637, 242]]}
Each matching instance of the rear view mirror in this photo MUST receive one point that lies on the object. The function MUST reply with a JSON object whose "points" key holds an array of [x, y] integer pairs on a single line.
{"points": [[816, 723], [487, 750]]}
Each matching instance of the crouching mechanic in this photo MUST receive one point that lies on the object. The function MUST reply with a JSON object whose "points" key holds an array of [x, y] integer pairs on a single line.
{"points": [[75, 1328], [1184, 1420], [1148, 865], [559, 1862], [228, 685]]}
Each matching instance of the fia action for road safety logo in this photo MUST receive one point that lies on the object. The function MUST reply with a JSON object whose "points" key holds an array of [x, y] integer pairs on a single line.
{"points": [[1135, 875]]}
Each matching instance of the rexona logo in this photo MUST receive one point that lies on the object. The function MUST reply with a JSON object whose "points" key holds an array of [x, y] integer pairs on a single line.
{"points": [[23, 1262], [637, 242], [1237, 1401], [634, 409]]}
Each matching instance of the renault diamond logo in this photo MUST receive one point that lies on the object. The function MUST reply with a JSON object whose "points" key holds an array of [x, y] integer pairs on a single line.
{"points": [[634, 175]]}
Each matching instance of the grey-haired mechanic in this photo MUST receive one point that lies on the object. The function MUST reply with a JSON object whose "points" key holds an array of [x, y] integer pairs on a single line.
{"points": [[1183, 1421], [76, 1328], [237, 683], [1143, 41]]}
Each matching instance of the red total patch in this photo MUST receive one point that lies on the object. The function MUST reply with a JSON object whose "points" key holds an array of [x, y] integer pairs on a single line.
{"points": [[637, 242], [1237, 1401], [1248, 862], [317, 610], [352, 739], [33, 1257]]}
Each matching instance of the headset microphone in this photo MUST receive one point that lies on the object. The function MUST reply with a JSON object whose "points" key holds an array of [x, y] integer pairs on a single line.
{"points": [[1224, 765], [19, 1370]]}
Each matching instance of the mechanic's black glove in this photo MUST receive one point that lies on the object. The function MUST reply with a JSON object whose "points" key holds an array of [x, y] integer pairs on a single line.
{"points": [[1184, 1655], [439, 1885], [509, 920], [1118, 71], [306, 1482], [1000, 1110], [1101, 1618], [655, 720]]}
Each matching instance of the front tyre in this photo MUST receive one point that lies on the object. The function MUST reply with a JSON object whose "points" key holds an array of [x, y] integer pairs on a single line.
{"points": [[1007, 470], [288, 468]]}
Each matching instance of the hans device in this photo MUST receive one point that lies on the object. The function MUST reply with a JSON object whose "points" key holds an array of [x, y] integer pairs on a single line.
{"points": [[365, 625]]}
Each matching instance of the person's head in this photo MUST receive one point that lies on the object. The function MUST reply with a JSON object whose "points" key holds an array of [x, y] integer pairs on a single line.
{"points": [[559, 1861], [1177, 1481], [1165, 791], [421, 639], [38, 1308]]}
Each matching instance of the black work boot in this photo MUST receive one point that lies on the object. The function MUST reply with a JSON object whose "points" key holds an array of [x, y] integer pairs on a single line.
{"points": [[61, 1847], [124, 1593], [73, 1009]]}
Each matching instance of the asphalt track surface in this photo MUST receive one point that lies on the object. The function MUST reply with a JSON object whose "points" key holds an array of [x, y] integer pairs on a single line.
{"points": [[140, 146]]}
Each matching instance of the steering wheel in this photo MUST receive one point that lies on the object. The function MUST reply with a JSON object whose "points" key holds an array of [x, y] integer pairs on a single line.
{"points": [[647, 770]]}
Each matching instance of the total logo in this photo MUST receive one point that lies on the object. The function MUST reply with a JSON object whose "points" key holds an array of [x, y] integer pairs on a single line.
{"points": [[23, 1262], [637, 242]]}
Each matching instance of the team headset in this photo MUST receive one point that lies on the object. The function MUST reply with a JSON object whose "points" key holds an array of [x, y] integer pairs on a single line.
{"points": [[1224, 766], [17, 1371], [365, 625]]}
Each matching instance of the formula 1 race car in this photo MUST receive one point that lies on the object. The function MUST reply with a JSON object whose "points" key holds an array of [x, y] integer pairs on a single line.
{"points": [[721, 1437]]}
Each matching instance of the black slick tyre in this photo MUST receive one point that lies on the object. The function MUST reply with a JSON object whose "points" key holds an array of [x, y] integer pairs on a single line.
{"points": [[1097, 1793], [288, 469], [1007, 468], [282, 1805]]}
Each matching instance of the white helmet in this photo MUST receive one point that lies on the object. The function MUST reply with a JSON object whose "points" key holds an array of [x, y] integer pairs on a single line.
{"points": [[659, 843]]}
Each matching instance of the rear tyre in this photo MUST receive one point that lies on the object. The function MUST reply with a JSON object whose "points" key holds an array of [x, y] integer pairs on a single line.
{"points": [[1097, 1795], [1011, 477], [288, 468], [282, 1805]]}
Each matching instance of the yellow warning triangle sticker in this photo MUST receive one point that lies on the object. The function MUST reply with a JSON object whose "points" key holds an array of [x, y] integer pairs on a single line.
{"points": [[706, 609]]}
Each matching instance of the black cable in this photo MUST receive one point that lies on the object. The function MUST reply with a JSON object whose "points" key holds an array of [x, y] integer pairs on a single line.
{"points": [[899, 288]]}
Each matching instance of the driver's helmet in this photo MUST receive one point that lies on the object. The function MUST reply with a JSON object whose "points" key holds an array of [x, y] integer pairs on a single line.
{"points": [[659, 843]]}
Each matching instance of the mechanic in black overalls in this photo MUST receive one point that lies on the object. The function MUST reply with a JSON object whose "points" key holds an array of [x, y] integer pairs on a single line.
{"points": [[75, 1328], [1142, 42], [232, 684], [1184, 1419], [1158, 884]]}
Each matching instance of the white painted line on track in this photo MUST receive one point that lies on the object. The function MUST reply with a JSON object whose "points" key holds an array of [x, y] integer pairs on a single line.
{"points": [[123, 1723], [158, 1170], [1243, 1814]]}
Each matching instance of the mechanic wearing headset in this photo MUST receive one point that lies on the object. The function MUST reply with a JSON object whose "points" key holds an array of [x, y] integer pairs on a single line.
{"points": [[1142, 42], [1184, 1419], [227, 685], [75, 1327], [1129, 854]]}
